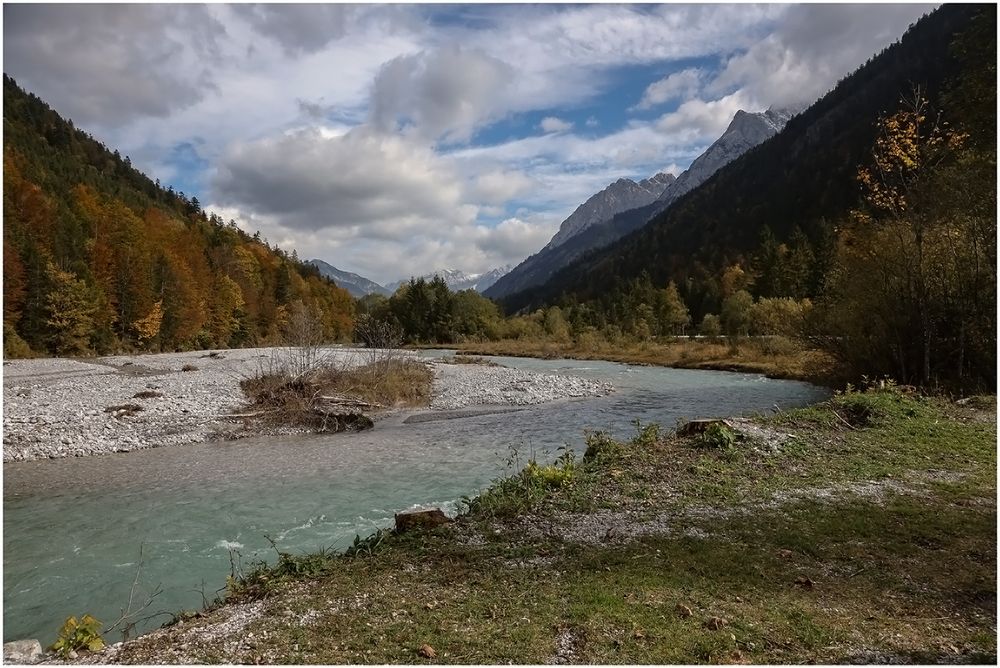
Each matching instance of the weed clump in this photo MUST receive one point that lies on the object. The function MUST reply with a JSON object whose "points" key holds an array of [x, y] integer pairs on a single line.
{"points": [[875, 405], [601, 447], [75, 635], [718, 436], [516, 494]]}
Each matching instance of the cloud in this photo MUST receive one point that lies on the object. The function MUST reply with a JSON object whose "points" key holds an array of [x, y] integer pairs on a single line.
{"points": [[349, 132], [443, 93], [679, 85], [811, 49], [499, 186], [698, 120], [514, 239], [299, 28], [554, 124], [113, 62], [361, 182]]}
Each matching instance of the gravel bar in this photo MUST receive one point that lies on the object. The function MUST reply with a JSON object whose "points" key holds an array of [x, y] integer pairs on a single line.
{"points": [[60, 407]]}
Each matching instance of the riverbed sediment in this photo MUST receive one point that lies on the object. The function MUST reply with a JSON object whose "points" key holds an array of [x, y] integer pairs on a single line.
{"points": [[79, 407]]}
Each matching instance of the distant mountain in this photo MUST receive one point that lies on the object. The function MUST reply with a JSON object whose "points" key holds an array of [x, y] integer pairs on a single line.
{"points": [[358, 286], [801, 178], [458, 280], [746, 130], [622, 195], [625, 206]]}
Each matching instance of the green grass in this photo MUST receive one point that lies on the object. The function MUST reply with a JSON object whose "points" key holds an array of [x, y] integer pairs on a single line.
{"points": [[868, 535]]}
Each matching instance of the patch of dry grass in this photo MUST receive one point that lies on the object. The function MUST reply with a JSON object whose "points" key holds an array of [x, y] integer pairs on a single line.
{"points": [[776, 357]]}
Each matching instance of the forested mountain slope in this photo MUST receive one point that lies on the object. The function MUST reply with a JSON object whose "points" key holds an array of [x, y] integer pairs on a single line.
{"points": [[804, 178], [97, 257], [745, 131]]}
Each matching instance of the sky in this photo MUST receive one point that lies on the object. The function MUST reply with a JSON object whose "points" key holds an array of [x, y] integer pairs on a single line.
{"points": [[395, 140]]}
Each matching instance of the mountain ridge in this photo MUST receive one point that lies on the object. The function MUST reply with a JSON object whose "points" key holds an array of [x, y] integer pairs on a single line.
{"points": [[803, 178], [457, 280], [745, 130], [357, 285]]}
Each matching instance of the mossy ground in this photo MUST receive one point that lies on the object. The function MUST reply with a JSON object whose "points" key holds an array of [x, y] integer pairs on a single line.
{"points": [[860, 530]]}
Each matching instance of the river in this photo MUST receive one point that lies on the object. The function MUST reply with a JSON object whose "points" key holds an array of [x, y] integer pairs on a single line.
{"points": [[73, 528]]}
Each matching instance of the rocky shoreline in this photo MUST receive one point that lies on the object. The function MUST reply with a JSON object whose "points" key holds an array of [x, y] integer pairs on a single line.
{"points": [[79, 407]]}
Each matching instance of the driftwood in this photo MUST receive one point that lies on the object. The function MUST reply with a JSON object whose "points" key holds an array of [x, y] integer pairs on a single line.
{"points": [[349, 402]]}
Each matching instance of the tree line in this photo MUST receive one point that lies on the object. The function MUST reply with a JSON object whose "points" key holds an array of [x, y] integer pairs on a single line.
{"points": [[99, 259]]}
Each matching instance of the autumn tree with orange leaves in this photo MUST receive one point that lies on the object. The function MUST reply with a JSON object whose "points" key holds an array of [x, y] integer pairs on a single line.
{"points": [[905, 297]]}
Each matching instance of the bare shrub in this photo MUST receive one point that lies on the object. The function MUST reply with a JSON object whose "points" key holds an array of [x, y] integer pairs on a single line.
{"points": [[303, 385]]}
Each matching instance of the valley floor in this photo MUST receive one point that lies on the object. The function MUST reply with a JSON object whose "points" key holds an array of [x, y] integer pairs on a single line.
{"points": [[860, 530]]}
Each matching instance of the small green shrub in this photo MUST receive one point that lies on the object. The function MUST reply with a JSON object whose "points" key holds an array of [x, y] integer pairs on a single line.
{"points": [[718, 436], [550, 476], [518, 493], [366, 547], [872, 407], [601, 447], [646, 437], [78, 635], [262, 577]]}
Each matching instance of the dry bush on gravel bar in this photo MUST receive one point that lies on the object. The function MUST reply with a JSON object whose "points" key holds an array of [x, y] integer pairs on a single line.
{"points": [[303, 385]]}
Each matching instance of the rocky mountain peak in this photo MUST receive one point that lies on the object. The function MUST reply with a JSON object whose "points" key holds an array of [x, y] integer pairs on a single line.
{"points": [[746, 130], [622, 195]]}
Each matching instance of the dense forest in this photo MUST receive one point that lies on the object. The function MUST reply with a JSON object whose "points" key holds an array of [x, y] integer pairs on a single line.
{"points": [[98, 258], [789, 221]]}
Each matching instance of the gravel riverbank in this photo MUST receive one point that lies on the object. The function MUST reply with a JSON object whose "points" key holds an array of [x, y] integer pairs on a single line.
{"points": [[65, 408]]}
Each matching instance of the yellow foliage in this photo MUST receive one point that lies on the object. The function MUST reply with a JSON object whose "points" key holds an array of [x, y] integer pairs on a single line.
{"points": [[147, 328]]}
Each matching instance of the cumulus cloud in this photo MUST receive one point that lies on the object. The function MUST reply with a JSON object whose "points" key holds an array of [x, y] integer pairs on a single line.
{"points": [[499, 186], [113, 62], [555, 124], [299, 28], [368, 182], [811, 49], [443, 93], [679, 85], [699, 120], [514, 239]]}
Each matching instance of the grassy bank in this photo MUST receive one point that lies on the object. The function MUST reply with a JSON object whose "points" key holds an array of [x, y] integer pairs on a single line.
{"points": [[775, 357], [859, 530]]}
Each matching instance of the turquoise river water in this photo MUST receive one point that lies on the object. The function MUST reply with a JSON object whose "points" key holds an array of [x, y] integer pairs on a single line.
{"points": [[73, 528]]}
